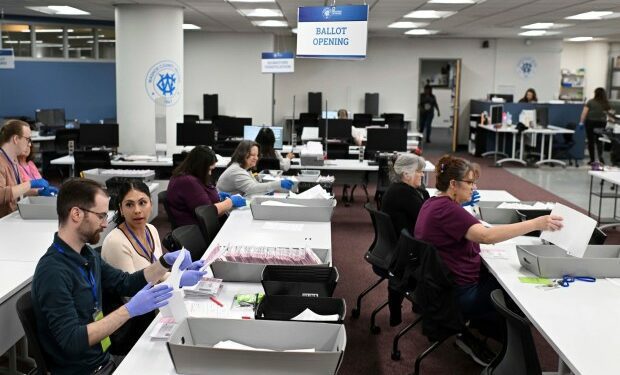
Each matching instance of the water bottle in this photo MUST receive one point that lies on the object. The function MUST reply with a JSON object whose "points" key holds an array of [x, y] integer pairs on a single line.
{"points": [[360, 155]]}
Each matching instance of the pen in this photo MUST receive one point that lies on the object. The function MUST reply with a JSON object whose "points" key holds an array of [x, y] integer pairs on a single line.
{"points": [[216, 301]]}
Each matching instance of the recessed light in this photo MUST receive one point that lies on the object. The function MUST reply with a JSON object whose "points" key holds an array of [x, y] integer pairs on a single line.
{"points": [[261, 12], [270, 23], [538, 25], [537, 33], [452, 1], [421, 32], [579, 39], [47, 31], [60, 10], [593, 15], [407, 25], [429, 14], [190, 26]]}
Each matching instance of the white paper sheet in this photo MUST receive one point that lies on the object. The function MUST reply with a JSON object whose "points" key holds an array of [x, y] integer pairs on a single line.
{"points": [[308, 314], [229, 344], [576, 232], [316, 192], [523, 206], [175, 307], [309, 132], [280, 204]]}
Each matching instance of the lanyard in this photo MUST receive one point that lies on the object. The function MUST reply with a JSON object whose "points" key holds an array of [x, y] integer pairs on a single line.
{"points": [[148, 239], [90, 278], [15, 170]]}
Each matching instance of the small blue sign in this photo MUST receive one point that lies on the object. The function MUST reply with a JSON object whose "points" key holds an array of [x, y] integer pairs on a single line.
{"points": [[277, 55], [333, 14]]}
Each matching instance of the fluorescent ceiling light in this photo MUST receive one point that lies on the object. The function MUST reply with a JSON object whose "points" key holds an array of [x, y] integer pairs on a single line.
{"points": [[593, 15], [270, 23], [407, 25], [452, 1], [538, 25], [429, 14], [538, 33], [261, 12], [190, 26], [60, 10], [421, 32], [579, 39]]}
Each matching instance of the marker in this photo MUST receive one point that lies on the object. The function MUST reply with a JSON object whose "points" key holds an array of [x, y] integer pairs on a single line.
{"points": [[216, 301]]}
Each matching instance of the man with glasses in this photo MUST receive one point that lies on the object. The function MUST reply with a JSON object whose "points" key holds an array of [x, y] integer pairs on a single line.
{"points": [[15, 139], [69, 279]]}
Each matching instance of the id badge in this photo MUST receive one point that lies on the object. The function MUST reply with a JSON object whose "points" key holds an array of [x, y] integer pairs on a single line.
{"points": [[105, 343]]}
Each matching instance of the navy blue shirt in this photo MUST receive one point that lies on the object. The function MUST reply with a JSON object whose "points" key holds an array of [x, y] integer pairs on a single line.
{"points": [[63, 304]]}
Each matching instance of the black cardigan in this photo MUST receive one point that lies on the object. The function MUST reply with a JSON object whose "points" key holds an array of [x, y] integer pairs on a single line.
{"points": [[403, 202]]}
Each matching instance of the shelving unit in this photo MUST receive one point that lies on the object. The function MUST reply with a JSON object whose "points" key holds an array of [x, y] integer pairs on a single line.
{"points": [[572, 86], [613, 82]]}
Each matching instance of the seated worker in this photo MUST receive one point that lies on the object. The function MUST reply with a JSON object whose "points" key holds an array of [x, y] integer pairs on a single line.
{"points": [[191, 186], [237, 178], [14, 141], [456, 235], [28, 171], [69, 281], [266, 139], [343, 114], [402, 201], [529, 97]]}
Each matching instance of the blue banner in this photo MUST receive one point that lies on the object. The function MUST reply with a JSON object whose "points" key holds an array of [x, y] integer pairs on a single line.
{"points": [[333, 14], [277, 55]]}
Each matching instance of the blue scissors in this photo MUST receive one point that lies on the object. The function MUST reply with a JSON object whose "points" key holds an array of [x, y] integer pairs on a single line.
{"points": [[566, 280]]}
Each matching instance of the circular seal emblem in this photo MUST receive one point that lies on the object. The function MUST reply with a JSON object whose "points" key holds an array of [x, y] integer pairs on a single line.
{"points": [[162, 81], [526, 67], [327, 12]]}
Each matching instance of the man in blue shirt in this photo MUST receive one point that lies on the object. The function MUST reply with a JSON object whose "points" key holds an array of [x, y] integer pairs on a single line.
{"points": [[68, 282]]}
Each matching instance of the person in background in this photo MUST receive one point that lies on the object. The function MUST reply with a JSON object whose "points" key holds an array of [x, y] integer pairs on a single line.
{"points": [[427, 107], [594, 116], [529, 97], [402, 202], [14, 141], [70, 279], [237, 178], [266, 139], [456, 235], [343, 114], [191, 186]]}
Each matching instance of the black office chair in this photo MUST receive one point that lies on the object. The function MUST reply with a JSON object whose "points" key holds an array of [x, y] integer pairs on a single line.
{"points": [[518, 355], [25, 312], [163, 199], [268, 163], [177, 159], [190, 237], [383, 180], [208, 222], [191, 119], [598, 237], [362, 120], [394, 120], [85, 160], [380, 255]]}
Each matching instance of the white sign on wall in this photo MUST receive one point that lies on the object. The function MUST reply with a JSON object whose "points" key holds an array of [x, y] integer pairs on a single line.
{"points": [[339, 32], [526, 67], [7, 58], [277, 62]]}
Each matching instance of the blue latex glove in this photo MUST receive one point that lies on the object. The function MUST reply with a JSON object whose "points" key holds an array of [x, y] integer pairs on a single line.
{"points": [[191, 278], [286, 184], [148, 299], [475, 198], [223, 195], [49, 191], [39, 183], [237, 200], [196, 265], [171, 257]]}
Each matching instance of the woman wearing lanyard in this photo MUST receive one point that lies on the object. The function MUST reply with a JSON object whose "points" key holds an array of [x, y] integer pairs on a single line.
{"points": [[15, 138]]}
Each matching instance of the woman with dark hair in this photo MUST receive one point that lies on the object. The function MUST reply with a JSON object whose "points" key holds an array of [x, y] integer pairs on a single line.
{"points": [[456, 235], [191, 186], [266, 139], [529, 97], [237, 178], [594, 116]]}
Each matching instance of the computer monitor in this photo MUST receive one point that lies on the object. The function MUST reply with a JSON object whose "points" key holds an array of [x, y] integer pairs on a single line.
{"points": [[508, 98], [496, 112], [231, 127], [99, 135], [386, 139], [250, 132], [193, 134], [542, 116], [53, 118], [329, 114], [337, 129]]}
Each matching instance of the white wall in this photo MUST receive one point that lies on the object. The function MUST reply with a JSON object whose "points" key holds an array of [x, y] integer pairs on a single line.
{"points": [[228, 64], [591, 56]]}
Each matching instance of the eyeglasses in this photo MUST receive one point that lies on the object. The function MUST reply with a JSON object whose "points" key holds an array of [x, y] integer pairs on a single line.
{"points": [[29, 139], [469, 182], [100, 215]]}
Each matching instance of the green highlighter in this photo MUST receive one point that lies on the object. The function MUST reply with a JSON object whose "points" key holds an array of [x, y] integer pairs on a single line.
{"points": [[535, 280]]}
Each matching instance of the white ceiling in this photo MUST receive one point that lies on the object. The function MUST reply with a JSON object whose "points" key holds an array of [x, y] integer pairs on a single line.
{"points": [[487, 19]]}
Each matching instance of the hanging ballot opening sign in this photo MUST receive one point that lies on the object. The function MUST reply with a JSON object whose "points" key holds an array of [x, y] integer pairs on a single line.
{"points": [[277, 62], [338, 32], [7, 58]]}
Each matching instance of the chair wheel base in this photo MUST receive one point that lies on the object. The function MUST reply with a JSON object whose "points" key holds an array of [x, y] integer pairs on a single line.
{"points": [[396, 355], [375, 330], [355, 313]]}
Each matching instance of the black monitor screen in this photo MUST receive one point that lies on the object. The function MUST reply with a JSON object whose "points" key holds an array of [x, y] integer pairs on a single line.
{"points": [[231, 127], [51, 117], [496, 114], [542, 116], [386, 139], [337, 129], [192, 134], [99, 135]]}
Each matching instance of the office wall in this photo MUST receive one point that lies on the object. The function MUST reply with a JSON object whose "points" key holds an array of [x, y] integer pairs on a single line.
{"points": [[591, 56], [86, 90], [229, 65]]}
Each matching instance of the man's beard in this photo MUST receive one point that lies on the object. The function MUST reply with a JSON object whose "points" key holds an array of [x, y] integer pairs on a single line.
{"points": [[88, 236]]}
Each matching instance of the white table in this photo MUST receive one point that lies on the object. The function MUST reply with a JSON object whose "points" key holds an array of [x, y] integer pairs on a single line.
{"points": [[505, 130], [549, 132], [487, 195]]}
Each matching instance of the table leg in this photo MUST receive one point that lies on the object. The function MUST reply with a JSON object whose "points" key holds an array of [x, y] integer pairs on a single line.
{"points": [[513, 157], [600, 203], [615, 200], [590, 196], [549, 159]]}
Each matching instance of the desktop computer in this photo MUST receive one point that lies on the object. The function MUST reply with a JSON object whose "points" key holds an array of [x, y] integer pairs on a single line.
{"points": [[230, 127], [250, 132], [193, 134], [336, 129], [496, 113], [385, 140], [99, 135], [49, 120]]}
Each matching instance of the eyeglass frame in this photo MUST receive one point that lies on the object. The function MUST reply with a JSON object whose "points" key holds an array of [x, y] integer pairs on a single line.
{"points": [[100, 215]]}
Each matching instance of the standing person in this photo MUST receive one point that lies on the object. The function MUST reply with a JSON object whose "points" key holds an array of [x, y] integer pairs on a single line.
{"points": [[266, 139], [594, 116], [426, 107], [529, 97], [15, 139]]}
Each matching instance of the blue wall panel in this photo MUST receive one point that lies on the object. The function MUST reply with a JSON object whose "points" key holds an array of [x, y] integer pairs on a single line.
{"points": [[86, 90]]}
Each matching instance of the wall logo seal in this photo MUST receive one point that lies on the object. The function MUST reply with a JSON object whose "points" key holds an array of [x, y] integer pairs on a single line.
{"points": [[162, 81], [526, 67]]}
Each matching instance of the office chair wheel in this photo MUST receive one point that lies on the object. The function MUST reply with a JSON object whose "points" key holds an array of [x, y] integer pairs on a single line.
{"points": [[355, 313], [396, 355], [375, 330]]}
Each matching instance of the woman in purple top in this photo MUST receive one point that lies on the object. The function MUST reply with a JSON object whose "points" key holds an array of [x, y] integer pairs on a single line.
{"points": [[456, 235], [191, 187]]}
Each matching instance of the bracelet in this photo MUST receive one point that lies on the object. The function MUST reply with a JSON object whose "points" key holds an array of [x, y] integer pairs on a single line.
{"points": [[164, 264]]}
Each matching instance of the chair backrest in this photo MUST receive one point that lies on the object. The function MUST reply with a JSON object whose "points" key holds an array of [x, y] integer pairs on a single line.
{"points": [[518, 355], [268, 163], [163, 198], [63, 136], [25, 312], [208, 221], [382, 250], [190, 237], [177, 159], [192, 119], [362, 119], [394, 119], [407, 259], [85, 160]]}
